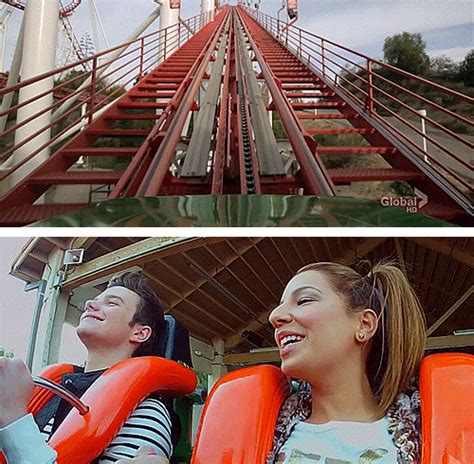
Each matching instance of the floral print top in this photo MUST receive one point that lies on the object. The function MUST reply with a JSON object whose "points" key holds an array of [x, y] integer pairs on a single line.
{"points": [[404, 418]]}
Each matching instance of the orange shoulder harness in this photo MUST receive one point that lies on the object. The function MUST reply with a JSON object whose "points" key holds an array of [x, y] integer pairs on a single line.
{"points": [[111, 399], [239, 418]]}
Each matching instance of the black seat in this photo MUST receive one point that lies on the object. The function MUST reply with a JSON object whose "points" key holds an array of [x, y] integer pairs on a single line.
{"points": [[175, 344]]}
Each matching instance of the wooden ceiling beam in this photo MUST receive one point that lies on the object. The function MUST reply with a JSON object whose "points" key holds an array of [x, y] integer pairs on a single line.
{"points": [[400, 257], [238, 279], [450, 341], [84, 242], [451, 311], [190, 302], [202, 281], [179, 312], [60, 242], [297, 251], [187, 300], [272, 240], [251, 268], [360, 251], [135, 254], [463, 256]]}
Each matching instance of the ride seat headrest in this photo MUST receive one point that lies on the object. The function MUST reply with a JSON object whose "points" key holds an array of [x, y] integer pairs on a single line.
{"points": [[175, 342]]}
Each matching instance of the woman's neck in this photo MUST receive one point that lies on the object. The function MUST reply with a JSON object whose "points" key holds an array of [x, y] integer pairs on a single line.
{"points": [[343, 398]]}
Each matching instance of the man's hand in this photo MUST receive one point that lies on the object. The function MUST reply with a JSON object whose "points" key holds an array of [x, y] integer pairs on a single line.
{"points": [[16, 388], [145, 455]]}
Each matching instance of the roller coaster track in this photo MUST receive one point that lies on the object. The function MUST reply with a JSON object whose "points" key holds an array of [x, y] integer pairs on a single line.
{"points": [[198, 123], [63, 12]]}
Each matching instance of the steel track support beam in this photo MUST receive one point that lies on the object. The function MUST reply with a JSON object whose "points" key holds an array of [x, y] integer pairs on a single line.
{"points": [[269, 159], [39, 53], [247, 158], [316, 177], [223, 123], [197, 156], [163, 158]]}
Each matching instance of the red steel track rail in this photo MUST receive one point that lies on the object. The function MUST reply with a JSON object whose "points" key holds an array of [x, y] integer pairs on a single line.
{"points": [[314, 73], [153, 180], [156, 94]]}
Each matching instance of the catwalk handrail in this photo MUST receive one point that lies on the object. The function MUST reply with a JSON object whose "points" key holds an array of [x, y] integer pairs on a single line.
{"points": [[74, 105], [376, 89]]}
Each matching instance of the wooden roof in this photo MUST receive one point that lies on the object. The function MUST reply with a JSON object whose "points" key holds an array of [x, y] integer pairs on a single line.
{"points": [[224, 288]]}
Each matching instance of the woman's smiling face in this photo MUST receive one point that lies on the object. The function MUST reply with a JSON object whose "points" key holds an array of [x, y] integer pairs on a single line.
{"points": [[312, 327]]}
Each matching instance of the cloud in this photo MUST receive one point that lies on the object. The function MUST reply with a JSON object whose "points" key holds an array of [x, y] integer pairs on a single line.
{"points": [[361, 23], [456, 53]]}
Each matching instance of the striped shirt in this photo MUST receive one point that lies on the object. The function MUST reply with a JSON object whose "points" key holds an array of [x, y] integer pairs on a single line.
{"points": [[149, 425]]}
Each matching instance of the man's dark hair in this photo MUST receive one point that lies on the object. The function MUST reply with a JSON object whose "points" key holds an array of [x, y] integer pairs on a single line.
{"points": [[149, 311]]}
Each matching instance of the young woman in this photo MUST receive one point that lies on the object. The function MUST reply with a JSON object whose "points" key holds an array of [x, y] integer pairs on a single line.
{"points": [[356, 342]]}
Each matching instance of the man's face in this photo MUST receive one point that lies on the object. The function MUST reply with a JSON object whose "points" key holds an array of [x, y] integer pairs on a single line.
{"points": [[106, 321]]}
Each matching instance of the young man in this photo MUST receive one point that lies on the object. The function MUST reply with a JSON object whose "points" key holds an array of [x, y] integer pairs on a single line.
{"points": [[124, 321]]}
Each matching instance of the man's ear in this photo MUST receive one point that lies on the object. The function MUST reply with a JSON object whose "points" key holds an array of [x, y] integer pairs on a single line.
{"points": [[141, 333], [368, 324]]}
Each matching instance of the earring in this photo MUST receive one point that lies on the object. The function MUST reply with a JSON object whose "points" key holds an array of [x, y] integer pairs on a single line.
{"points": [[361, 336]]}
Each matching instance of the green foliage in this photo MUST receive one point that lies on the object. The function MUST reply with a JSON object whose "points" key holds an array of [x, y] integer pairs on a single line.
{"points": [[443, 71], [443, 67], [407, 51], [74, 79], [402, 189], [6, 354], [278, 129], [340, 140], [466, 69], [201, 376]]}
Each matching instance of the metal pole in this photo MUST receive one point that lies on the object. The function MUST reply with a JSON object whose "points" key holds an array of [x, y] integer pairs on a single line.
{"points": [[39, 53], [12, 80], [169, 17], [3, 33], [208, 8], [323, 57], [92, 89], [423, 114], [370, 96], [63, 393], [113, 56], [40, 286]]}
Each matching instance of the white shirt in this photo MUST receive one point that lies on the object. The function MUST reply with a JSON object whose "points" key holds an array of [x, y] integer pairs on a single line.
{"points": [[339, 442]]}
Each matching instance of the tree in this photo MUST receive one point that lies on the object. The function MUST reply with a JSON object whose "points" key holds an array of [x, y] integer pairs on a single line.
{"points": [[444, 67], [5, 354], [406, 51], [466, 69]]}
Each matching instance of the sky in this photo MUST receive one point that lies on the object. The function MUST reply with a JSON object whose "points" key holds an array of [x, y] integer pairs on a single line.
{"points": [[17, 307], [446, 25]]}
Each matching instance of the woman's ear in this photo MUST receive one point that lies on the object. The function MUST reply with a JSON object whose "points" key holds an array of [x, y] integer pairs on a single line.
{"points": [[141, 333], [367, 325]]}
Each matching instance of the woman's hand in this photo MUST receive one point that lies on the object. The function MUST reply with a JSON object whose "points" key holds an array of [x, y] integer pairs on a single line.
{"points": [[16, 388], [145, 455]]}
